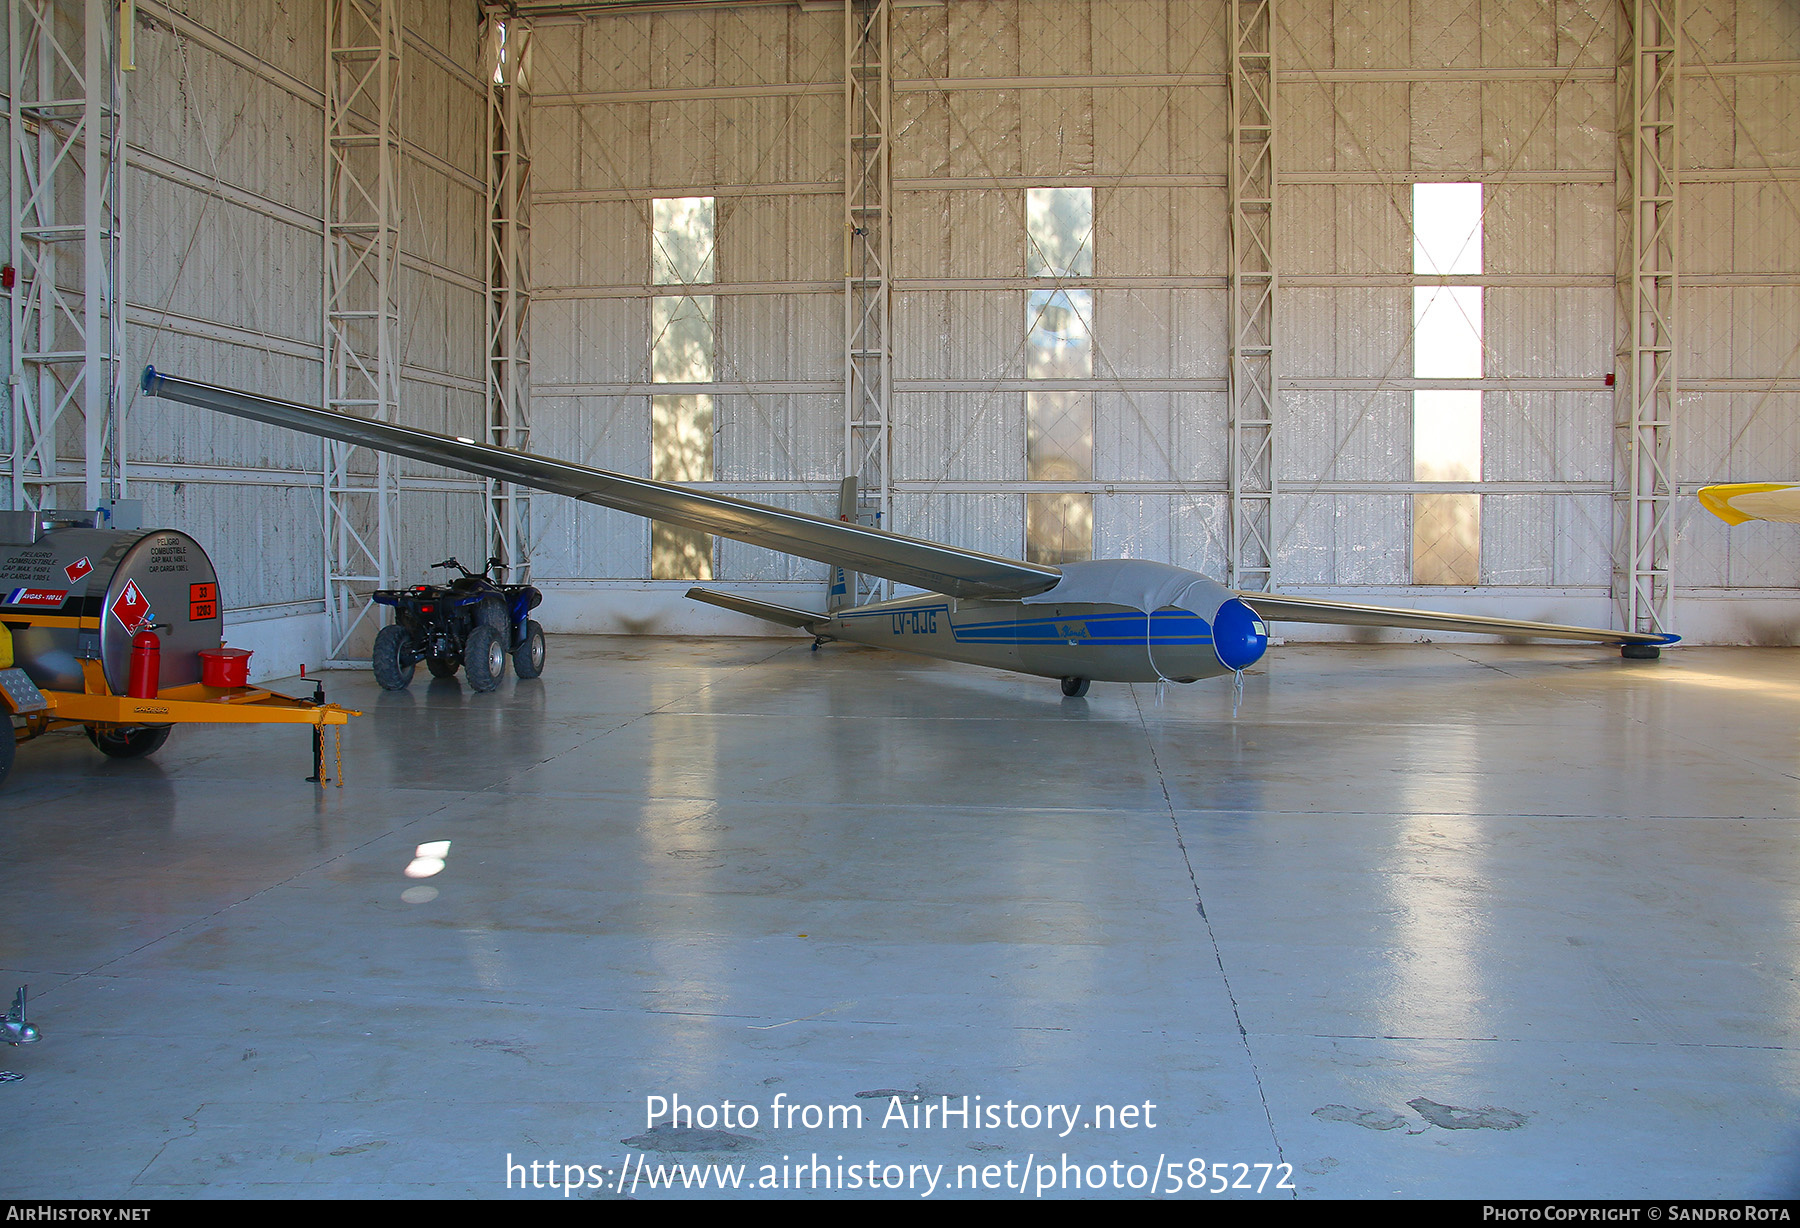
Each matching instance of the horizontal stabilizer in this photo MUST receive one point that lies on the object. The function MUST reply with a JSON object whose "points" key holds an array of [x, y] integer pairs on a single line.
{"points": [[759, 609], [1277, 608], [905, 560]]}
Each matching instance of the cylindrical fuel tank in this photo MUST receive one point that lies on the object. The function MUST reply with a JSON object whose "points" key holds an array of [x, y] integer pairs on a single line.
{"points": [[79, 593]]}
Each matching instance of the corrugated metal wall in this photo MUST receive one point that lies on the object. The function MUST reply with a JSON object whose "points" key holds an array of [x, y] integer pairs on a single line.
{"points": [[743, 106], [1128, 98], [1740, 292], [223, 280]]}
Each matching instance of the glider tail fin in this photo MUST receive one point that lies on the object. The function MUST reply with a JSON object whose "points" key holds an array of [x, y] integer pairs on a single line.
{"points": [[843, 583]]}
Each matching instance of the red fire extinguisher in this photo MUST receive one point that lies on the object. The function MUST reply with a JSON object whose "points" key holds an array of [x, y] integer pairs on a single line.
{"points": [[146, 665]]}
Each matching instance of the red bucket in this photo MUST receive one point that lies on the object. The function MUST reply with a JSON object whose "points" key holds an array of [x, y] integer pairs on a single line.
{"points": [[225, 666]]}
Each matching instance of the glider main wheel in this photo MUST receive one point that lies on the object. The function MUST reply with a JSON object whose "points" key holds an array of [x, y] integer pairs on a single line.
{"points": [[1639, 652], [1075, 688], [136, 743], [389, 661], [528, 657], [442, 667], [484, 658]]}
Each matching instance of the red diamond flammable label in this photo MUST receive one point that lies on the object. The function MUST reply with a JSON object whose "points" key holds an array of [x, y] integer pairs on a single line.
{"points": [[132, 608], [77, 569]]}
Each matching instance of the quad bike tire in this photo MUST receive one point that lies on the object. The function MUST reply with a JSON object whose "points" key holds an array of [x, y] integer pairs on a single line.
{"points": [[484, 658], [129, 743], [528, 657], [492, 613], [388, 661]]}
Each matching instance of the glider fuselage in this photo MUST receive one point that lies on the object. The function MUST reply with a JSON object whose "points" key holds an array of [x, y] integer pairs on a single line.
{"points": [[1105, 643]]}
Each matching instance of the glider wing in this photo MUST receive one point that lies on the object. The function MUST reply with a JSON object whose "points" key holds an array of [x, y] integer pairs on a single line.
{"points": [[907, 560]]}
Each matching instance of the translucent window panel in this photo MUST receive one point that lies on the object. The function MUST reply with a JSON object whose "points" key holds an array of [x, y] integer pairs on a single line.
{"points": [[681, 450], [1447, 344], [1446, 228], [1059, 232], [681, 438], [1447, 332], [681, 240], [1059, 425], [679, 554], [1447, 539], [681, 339], [1059, 436], [1446, 435], [1059, 528], [1059, 341]]}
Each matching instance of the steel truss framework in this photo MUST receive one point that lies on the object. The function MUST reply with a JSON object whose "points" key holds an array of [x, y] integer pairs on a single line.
{"points": [[67, 121], [1649, 92], [1251, 184], [868, 260], [508, 65], [362, 312]]}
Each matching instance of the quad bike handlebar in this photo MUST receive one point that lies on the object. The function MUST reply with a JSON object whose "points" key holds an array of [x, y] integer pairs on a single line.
{"points": [[493, 564]]}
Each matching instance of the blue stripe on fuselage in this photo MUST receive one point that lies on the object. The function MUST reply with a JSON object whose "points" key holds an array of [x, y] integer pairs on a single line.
{"points": [[1167, 628], [1100, 630]]}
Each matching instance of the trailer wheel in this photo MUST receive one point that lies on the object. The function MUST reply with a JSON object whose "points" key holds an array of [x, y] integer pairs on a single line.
{"points": [[392, 670], [116, 743], [484, 658], [528, 658]]}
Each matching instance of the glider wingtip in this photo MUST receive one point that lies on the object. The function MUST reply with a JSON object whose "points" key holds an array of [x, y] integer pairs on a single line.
{"points": [[1716, 499]]}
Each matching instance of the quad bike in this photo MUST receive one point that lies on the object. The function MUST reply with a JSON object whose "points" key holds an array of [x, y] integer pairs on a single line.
{"points": [[472, 623]]}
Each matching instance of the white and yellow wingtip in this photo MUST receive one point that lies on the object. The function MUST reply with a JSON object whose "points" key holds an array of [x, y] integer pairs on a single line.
{"points": [[1736, 502]]}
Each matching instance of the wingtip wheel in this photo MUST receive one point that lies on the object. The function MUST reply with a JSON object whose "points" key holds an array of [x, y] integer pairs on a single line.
{"points": [[1640, 652], [14, 1030]]}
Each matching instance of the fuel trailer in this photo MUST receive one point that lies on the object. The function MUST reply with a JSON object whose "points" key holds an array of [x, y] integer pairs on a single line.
{"points": [[119, 632]]}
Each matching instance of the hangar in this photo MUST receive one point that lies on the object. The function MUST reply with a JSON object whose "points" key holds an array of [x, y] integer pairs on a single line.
{"points": [[1452, 305]]}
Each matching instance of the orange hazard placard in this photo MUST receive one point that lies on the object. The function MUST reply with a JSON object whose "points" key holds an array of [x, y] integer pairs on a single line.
{"points": [[203, 601]]}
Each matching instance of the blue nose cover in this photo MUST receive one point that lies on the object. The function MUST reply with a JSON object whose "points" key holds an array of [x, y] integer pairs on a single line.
{"points": [[1239, 636]]}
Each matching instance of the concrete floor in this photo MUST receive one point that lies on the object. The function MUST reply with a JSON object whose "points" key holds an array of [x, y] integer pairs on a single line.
{"points": [[1434, 921]]}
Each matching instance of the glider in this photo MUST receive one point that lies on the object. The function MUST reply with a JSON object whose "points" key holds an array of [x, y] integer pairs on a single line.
{"points": [[1109, 620], [1736, 502]]}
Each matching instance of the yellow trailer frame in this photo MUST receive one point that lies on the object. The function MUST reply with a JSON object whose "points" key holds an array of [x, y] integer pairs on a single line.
{"points": [[194, 703], [98, 709]]}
